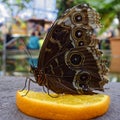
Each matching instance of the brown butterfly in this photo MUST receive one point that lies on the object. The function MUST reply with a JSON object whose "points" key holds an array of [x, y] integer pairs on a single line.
{"points": [[69, 61]]}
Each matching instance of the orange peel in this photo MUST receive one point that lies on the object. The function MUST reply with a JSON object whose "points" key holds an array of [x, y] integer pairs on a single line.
{"points": [[64, 107]]}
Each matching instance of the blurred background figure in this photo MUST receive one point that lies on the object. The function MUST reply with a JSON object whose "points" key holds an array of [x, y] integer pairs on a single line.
{"points": [[33, 42], [9, 38]]}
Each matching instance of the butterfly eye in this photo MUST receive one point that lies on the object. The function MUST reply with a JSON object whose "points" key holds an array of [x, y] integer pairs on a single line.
{"points": [[84, 77], [80, 81], [81, 43], [81, 77], [75, 59], [78, 33], [78, 18]]}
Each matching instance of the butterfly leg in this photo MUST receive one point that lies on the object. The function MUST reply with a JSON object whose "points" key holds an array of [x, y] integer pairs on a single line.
{"points": [[29, 80], [44, 89], [25, 84], [28, 87]]}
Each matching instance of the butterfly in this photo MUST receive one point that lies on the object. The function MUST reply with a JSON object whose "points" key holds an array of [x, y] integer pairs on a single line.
{"points": [[69, 60]]}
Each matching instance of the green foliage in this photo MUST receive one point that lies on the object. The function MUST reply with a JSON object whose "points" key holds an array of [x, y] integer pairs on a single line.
{"points": [[106, 21], [62, 5]]}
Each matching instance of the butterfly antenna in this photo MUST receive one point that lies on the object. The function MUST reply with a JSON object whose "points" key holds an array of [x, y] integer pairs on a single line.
{"points": [[28, 53]]}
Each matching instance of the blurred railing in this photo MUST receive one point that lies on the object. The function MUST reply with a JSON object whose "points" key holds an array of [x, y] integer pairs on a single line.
{"points": [[14, 54]]}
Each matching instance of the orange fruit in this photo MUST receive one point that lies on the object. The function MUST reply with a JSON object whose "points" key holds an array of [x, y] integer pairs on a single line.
{"points": [[64, 107]]}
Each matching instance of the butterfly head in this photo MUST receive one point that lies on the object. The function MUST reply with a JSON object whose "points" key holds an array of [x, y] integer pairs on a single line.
{"points": [[34, 70]]}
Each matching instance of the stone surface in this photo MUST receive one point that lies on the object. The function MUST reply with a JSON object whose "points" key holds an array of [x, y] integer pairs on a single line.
{"points": [[9, 111]]}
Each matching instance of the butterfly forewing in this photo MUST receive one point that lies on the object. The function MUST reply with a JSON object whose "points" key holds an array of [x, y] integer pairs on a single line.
{"points": [[54, 42]]}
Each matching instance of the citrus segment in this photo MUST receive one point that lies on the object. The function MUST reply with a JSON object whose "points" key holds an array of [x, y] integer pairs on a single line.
{"points": [[64, 107]]}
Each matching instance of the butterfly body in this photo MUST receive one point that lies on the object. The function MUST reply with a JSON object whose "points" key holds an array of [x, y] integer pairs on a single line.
{"points": [[69, 60]]}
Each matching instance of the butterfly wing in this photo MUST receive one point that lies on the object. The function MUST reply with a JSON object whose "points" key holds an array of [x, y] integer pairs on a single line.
{"points": [[74, 71], [54, 42], [69, 57]]}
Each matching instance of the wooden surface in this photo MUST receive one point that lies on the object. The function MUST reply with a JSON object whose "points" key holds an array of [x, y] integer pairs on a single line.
{"points": [[9, 111]]}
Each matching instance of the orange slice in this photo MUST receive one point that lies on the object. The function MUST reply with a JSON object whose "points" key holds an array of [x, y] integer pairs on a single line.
{"points": [[64, 107]]}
